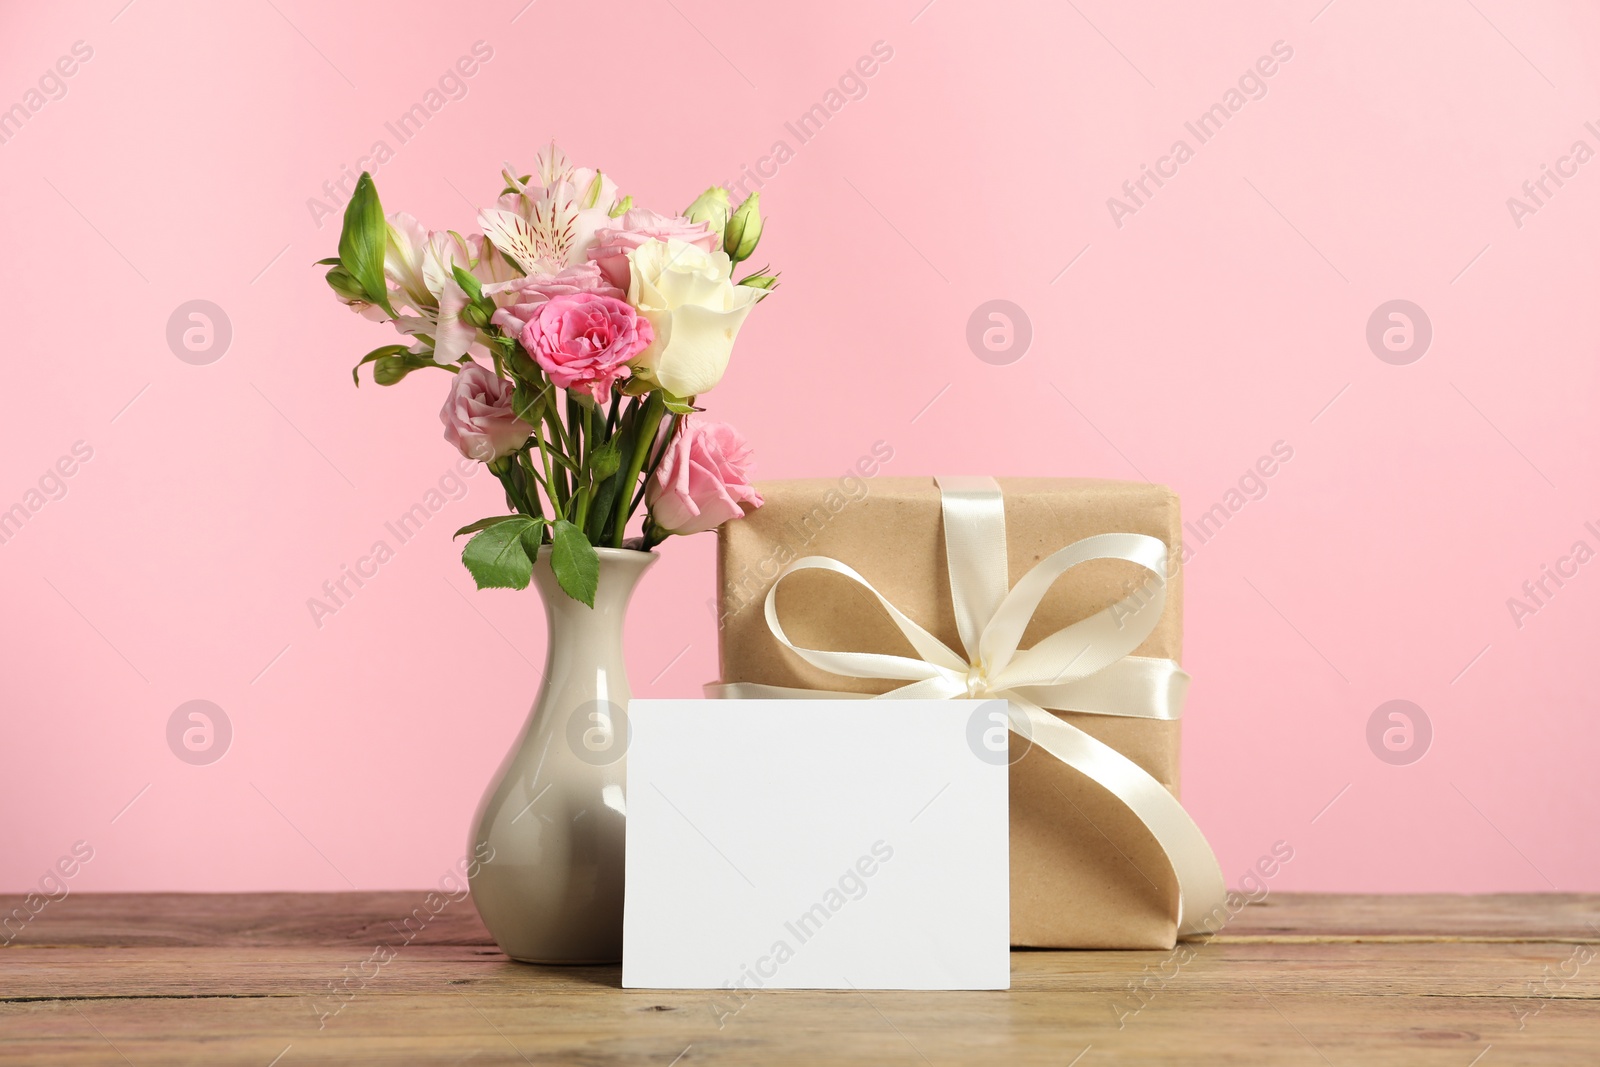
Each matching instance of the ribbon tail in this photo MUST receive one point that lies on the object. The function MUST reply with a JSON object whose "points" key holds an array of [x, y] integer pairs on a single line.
{"points": [[1202, 893]]}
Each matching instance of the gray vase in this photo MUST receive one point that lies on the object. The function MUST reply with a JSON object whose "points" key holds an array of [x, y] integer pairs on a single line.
{"points": [[549, 830]]}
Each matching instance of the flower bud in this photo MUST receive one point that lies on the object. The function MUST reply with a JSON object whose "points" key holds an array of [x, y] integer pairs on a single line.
{"points": [[390, 369], [712, 208], [343, 283], [761, 280], [743, 233], [528, 403]]}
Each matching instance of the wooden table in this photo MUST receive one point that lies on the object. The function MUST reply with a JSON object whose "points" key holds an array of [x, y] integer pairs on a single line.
{"points": [[286, 979]]}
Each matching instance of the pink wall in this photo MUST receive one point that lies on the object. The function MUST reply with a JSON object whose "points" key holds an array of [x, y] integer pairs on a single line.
{"points": [[1225, 312]]}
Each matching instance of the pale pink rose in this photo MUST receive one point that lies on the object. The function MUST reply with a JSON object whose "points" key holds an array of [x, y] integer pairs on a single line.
{"points": [[638, 225], [478, 417], [521, 297], [703, 479], [584, 341]]}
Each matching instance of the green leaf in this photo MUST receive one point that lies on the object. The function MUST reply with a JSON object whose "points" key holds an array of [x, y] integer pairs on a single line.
{"points": [[372, 357], [532, 535], [635, 387], [605, 501], [496, 558], [678, 405], [575, 562], [364, 240], [605, 495], [331, 261], [484, 524], [604, 461]]}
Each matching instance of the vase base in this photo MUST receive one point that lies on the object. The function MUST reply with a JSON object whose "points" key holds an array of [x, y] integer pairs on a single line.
{"points": [[567, 963]]}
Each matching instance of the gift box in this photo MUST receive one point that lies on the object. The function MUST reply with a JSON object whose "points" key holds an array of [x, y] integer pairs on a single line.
{"points": [[1086, 870]]}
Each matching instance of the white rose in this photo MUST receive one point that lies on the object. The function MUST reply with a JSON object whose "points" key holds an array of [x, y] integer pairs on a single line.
{"points": [[695, 310]]}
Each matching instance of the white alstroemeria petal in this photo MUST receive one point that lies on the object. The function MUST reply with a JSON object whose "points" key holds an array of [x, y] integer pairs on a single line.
{"points": [[513, 235], [453, 336]]}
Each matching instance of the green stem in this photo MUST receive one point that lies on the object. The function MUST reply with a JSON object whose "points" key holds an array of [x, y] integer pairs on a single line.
{"points": [[654, 535], [511, 497], [586, 492], [611, 419], [525, 461], [551, 485], [649, 421], [654, 464], [558, 433], [508, 481], [518, 484], [559, 441]]}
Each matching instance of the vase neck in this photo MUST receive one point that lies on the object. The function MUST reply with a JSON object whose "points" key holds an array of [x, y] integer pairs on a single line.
{"points": [[573, 625]]}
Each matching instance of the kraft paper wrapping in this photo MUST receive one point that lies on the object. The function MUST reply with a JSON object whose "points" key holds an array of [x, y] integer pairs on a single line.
{"points": [[1084, 872]]}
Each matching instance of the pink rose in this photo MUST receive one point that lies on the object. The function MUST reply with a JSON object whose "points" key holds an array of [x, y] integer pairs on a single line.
{"points": [[528, 294], [585, 340], [640, 224], [702, 480], [477, 415]]}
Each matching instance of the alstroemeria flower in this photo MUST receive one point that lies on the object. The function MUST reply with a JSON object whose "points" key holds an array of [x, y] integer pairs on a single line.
{"points": [[549, 222], [419, 266]]}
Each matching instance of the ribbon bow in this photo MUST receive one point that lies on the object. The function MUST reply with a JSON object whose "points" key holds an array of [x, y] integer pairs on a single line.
{"points": [[1085, 667]]}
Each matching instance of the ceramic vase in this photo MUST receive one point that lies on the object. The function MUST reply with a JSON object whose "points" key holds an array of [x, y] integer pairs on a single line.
{"points": [[548, 833]]}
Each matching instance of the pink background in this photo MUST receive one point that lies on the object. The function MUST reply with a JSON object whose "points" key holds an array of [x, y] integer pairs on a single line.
{"points": [[1226, 314]]}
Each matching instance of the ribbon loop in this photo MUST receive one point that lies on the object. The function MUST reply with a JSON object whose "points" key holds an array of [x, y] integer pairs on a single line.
{"points": [[934, 653], [1092, 644]]}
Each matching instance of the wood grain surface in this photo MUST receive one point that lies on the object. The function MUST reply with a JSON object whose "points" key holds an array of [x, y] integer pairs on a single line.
{"points": [[284, 979]]}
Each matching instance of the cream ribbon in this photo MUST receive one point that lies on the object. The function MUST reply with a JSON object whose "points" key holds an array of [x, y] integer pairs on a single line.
{"points": [[1085, 667]]}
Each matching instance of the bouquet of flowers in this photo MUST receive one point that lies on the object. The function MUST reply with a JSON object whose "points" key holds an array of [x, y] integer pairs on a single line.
{"points": [[579, 331]]}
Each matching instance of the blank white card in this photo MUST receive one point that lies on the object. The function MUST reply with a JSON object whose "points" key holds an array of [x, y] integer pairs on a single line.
{"points": [[816, 844]]}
